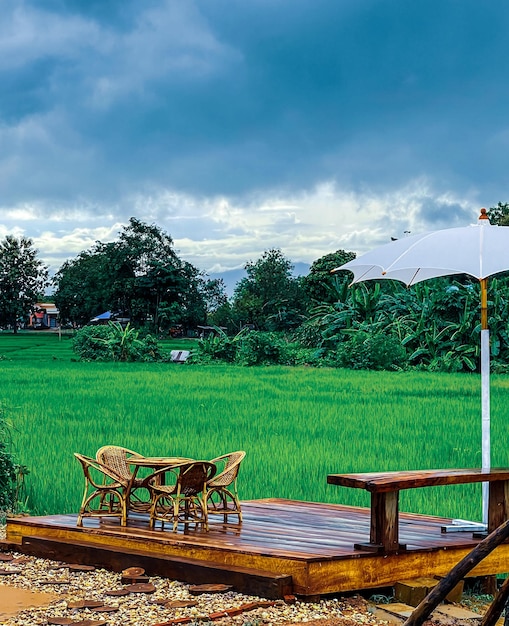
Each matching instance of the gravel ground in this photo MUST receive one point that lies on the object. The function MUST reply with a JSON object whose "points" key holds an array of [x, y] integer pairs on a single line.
{"points": [[148, 609]]}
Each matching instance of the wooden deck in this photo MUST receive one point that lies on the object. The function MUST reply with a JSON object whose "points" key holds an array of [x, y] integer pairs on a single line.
{"points": [[283, 546]]}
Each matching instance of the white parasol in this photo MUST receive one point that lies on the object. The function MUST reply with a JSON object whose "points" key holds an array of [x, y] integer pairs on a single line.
{"points": [[480, 250]]}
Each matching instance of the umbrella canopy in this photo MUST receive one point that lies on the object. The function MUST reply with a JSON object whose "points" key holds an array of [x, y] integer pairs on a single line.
{"points": [[480, 250]]}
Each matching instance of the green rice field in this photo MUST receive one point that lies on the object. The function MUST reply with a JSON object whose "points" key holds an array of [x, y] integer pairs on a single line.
{"points": [[296, 424]]}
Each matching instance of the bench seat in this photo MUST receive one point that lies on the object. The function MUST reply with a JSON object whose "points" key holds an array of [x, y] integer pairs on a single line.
{"points": [[379, 482], [384, 488]]}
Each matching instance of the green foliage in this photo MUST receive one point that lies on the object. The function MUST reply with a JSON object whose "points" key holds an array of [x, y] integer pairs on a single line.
{"points": [[364, 350], [11, 473], [251, 347], [262, 348], [115, 343], [212, 348], [7, 469], [499, 215], [270, 298], [320, 284], [218, 346], [91, 343], [139, 275], [434, 325], [437, 322], [308, 334], [84, 286], [223, 316], [358, 306], [23, 278], [218, 307]]}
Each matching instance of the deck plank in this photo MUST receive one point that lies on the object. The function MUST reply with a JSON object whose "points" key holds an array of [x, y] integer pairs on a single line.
{"points": [[312, 542]]}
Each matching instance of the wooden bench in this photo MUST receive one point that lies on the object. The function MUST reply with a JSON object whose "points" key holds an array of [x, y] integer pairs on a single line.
{"points": [[385, 487]]}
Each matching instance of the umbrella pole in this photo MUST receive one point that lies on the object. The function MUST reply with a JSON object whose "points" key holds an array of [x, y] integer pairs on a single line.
{"points": [[485, 393]]}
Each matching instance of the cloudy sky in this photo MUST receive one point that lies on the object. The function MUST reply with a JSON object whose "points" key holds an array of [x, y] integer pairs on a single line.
{"points": [[240, 126]]}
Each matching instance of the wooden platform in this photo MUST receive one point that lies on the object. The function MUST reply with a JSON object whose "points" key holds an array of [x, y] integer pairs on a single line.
{"points": [[283, 546]]}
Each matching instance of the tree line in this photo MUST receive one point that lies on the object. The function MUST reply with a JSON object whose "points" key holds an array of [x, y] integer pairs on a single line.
{"points": [[316, 319]]}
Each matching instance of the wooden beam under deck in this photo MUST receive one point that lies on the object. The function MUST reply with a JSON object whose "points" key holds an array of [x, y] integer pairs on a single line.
{"points": [[311, 542]]}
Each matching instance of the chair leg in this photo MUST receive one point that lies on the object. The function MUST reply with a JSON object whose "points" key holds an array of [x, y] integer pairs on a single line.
{"points": [[217, 502], [202, 505], [123, 519], [176, 509], [152, 512], [237, 506]]}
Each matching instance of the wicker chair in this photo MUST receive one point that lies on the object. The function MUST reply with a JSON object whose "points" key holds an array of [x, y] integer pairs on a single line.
{"points": [[223, 486], [105, 493], [116, 458], [178, 494]]}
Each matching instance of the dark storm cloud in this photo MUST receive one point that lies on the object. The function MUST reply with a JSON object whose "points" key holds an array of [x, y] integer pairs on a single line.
{"points": [[393, 113]]}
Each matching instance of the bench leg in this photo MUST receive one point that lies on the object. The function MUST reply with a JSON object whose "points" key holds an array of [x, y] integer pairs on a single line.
{"points": [[498, 506], [384, 531]]}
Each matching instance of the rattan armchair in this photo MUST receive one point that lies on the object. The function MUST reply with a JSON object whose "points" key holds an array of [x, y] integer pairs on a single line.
{"points": [[117, 459], [222, 495], [178, 494], [105, 493]]}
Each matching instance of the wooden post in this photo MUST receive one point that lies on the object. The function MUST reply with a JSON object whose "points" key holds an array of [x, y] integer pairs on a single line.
{"points": [[384, 529], [384, 520], [497, 606], [458, 572], [498, 504]]}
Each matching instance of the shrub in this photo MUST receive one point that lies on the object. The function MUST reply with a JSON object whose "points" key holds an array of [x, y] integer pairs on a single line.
{"points": [[252, 347], [371, 351], [11, 474], [307, 356], [309, 335], [262, 348], [91, 343], [215, 347], [114, 343]]}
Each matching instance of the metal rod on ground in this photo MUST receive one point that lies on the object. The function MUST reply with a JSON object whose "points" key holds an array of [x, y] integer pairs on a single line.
{"points": [[458, 572]]}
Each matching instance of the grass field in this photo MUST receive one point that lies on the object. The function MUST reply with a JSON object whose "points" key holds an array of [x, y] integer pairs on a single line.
{"points": [[296, 424]]}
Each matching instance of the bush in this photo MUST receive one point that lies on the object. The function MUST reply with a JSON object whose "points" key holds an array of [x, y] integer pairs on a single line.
{"points": [[263, 348], [372, 352], [114, 343], [11, 474], [308, 335], [252, 347], [91, 343], [313, 357], [218, 347]]}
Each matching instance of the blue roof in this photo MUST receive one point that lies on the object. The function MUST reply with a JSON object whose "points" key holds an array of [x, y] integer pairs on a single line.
{"points": [[103, 316]]}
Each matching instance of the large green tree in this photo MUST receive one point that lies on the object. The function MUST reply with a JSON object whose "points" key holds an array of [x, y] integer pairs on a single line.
{"points": [[270, 297], [219, 309], [23, 278], [320, 284], [85, 285], [139, 275]]}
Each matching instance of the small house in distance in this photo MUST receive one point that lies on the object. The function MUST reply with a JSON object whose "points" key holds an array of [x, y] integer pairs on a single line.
{"points": [[45, 316]]}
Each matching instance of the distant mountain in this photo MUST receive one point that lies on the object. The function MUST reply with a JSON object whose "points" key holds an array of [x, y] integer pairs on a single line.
{"points": [[301, 269], [232, 277]]}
